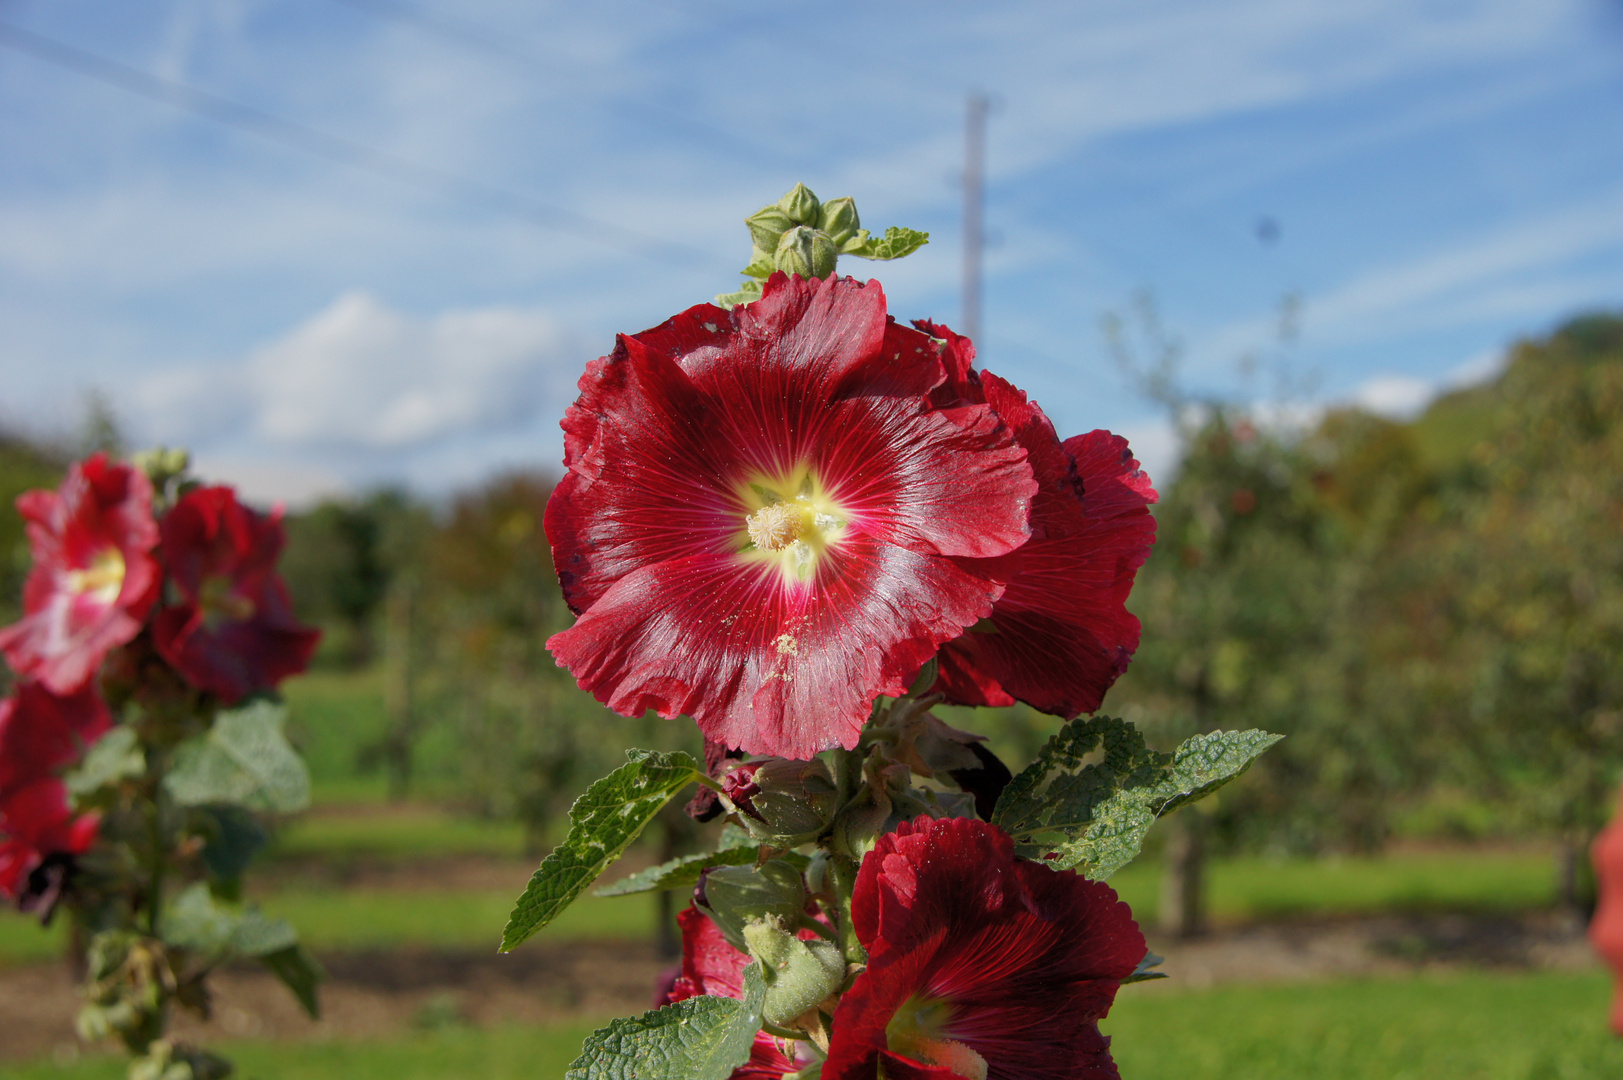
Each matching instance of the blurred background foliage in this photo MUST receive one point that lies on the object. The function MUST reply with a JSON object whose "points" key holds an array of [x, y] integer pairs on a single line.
{"points": [[1431, 610]]}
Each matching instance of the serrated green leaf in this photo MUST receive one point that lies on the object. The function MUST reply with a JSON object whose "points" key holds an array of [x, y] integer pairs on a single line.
{"points": [[702, 1038], [244, 759], [1206, 762], [115, 756], [1093, 817], [602, 824], [893, 245], [683, 871], [300, 973], [1145, 970], [748, 293], [195, 921]]}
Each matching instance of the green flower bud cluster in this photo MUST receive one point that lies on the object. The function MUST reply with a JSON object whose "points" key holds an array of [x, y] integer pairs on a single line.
{"points": [[800, 234]]}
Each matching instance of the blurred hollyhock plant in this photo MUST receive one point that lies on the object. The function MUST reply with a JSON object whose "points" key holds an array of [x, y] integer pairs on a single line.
{"points": [[979, 964], [766, 523], [233, 631], [127, 797], [806, 525], [94, 578], [1606, 928]]}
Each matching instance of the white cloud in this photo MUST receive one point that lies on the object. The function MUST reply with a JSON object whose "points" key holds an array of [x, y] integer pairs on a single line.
{"points": [[360, 376], [1400, 397], [265, 484]]}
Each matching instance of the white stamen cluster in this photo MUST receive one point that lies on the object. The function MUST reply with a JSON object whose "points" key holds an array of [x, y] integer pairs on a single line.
{"points": [[775, 526]]}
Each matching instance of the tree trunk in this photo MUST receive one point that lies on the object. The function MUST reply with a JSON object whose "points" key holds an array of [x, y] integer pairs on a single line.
{"points": [[1183, 882], [1576, 893], [397, 746]]}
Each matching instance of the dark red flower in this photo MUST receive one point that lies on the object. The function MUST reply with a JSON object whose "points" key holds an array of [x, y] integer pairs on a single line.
{"points": [[42, 732], [234, 631], [37, 822], [712, 966], [765, 522], [980, 965], [1061, 633], [94, 578]]}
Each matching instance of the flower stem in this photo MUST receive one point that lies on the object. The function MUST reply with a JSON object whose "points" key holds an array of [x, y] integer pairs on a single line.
{"points": [[845, 881]]}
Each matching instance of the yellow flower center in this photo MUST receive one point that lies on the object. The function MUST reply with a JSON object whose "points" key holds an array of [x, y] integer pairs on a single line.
{"points": [[916, 1030], [790, 522], [102, 580]]}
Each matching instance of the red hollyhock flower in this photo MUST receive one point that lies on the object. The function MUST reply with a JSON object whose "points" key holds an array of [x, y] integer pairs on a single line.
{"points": [[981, 966], [94, 578], [766, 523], [1606, 928], [712, 966], [37, 822], [41, 732], [1061, 634], [234, 631]]}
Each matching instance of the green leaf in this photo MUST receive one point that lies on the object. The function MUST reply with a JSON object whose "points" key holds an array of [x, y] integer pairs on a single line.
{"points": [[194, 921], [115, 756], [683, 872], [702, 1038], [242, 759], [300, 973], [748, 293], [231, 838], [603, 823], [893, 245], [1145, 970], [1093, 816]]}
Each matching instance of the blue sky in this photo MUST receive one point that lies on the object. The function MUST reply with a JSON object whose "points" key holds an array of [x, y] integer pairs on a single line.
{"points": [[1443, 177]]}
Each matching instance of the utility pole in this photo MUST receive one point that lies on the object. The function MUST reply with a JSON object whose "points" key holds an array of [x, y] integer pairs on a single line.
{"points": [[974, 236]]}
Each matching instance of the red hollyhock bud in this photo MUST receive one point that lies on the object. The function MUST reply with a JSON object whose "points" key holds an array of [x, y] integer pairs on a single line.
{"points": [[1606, 928], [94, 578], [234, 631], [41, 732], [1061, 634], [766, 522], [37, 822], [710, 965], [979, 964]]}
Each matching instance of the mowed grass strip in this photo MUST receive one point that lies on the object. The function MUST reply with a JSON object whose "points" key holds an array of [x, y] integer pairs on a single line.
{"points": [[1473, 1027], [1241, 889]]}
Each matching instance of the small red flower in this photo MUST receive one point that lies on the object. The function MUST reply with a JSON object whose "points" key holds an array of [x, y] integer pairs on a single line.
{"points": [[712, 966], [41, 732], [94, 578], [37, 822], [1606, 928], [1061, 634], [981, 966], [234, 631], [767, 523]]}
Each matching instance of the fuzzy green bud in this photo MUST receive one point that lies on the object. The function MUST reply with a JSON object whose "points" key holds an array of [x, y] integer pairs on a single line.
{"points": [[838, 218], [798, 974], [801, 205], [766, 226], [808, 252]]}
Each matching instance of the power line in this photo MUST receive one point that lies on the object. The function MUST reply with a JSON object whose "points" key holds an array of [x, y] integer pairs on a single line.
{"points": [[353, 154]]}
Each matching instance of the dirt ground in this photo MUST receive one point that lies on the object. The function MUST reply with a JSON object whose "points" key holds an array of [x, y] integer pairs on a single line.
{"points": [[371, 995]]}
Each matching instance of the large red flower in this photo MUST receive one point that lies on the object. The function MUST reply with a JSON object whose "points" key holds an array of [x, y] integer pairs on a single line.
{"points": [[981, 966], [234, 631], [710, 965], [41, 732], [1606, 928], [766, 522], [94, 578], [1061, 633], [37, 822]]}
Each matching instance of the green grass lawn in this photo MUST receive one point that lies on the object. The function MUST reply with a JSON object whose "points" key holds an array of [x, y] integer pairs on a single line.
{"points": [[1241, 889], [1475, 1027], [395, 834]]}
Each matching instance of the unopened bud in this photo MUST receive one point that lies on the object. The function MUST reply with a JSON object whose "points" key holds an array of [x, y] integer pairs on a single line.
{"points": [[808, 252], [801, 205], [798, 974], [838, 218], [766, 225]]}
